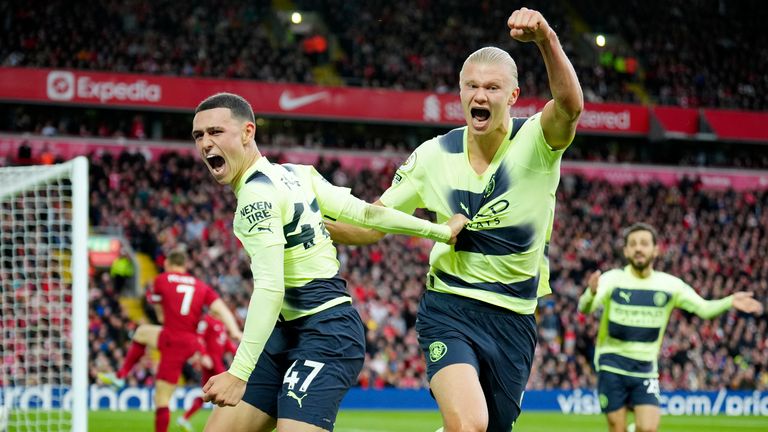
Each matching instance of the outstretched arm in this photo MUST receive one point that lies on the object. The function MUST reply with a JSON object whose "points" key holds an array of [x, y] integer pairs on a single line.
{"points": [[741, 301], [337, 204], [561, 115], [353, 235]]}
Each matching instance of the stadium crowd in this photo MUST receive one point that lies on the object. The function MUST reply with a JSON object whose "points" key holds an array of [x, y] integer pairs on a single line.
{"points": [[655, 52], [713, 240]]}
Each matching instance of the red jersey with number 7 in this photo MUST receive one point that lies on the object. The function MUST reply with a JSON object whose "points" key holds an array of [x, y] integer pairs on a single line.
{"points": [[183, 298]]}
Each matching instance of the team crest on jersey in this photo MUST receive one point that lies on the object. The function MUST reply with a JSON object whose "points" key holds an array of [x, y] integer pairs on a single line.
{"points": [[660, 299], [490, 186], [437, 351], [409, 163]]}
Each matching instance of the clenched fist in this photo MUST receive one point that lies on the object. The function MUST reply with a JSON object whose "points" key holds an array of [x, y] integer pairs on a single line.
{"points": [[526, 25]]}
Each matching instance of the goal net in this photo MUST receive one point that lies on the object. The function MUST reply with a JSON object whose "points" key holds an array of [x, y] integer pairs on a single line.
{"points": [[43, 297]]}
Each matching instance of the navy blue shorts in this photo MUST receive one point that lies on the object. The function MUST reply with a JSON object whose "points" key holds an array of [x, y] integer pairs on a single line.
{"points": [[308, 365], [499, 344], [617, 391]]}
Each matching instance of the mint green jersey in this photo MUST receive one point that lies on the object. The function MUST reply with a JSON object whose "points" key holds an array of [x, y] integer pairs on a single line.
{"points": [[501, 257], [277, 204], [635, 316]]}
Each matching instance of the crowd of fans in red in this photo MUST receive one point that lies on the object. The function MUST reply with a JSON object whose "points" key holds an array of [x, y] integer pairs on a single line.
{"points": [[691, 53], [711, 239]]}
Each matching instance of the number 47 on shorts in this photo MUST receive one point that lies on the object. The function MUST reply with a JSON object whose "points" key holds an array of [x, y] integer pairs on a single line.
{"points": [[292, 376]]}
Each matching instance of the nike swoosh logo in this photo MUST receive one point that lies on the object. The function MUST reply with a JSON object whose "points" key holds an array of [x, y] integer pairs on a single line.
{"points": [[290, 103]]}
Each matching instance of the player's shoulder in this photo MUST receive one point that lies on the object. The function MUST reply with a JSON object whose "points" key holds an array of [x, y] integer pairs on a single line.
{"points": [[526, 127], [613, 273], [451, 142], [668, 281]]}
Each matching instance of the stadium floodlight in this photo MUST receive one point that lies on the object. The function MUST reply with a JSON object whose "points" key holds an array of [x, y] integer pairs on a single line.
{"points": [[44, 297]]}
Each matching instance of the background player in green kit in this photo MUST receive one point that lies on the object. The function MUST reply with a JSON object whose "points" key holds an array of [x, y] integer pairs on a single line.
{"points": [[476, 320], [303, 344], [637, 302]]}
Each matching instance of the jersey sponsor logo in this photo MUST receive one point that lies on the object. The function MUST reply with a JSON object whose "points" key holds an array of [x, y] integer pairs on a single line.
{"points": [[288, 102], [437, 351], [409, 163], [397, 179], [293, 395], [256, 212]]}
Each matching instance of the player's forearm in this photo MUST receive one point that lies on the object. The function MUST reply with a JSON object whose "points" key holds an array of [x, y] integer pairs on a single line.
{"points": [[347, 234], [586, 301], [563, 82], [263, 309], [220, 310], [708, 309], [391, 221]]}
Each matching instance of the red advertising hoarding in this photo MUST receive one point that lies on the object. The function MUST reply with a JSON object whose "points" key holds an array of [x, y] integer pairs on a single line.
{"points": [[343, 103]]}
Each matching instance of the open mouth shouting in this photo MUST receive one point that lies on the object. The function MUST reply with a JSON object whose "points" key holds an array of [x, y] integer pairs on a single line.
{"points": [[216, 164], [480, 117]]}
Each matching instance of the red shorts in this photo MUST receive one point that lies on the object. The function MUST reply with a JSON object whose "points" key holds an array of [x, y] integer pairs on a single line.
{"points": [[175, 349]]}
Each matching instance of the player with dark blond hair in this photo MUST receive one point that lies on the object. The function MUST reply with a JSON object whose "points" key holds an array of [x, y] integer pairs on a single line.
{"points": [[476, 320]]}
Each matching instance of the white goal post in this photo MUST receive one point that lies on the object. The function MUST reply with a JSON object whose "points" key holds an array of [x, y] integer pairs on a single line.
{"points": [[44, 297]]}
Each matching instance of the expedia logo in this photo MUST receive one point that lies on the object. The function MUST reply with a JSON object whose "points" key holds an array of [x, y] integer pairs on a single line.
{"points": [[437, 351], [60, 85], [64, 86]]}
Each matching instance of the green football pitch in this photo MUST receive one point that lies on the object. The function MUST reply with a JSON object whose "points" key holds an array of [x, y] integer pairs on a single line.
{"points": [[429, 421]]}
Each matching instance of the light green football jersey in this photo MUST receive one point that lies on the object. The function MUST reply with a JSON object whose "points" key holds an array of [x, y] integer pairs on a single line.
{"points": [[635, 316], [278, 204], [501, 257]]}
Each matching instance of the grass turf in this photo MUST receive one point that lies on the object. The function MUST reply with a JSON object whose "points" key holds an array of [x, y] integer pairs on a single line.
{"points": [[429, 421]]}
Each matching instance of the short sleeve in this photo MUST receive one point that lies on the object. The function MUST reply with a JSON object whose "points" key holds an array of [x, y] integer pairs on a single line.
{"points": [[543, 157]]}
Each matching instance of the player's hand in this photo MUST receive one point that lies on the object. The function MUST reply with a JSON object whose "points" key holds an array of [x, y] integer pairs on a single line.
{"points": [[456, 223], [224, 389], [745, 302], [206, 362], [593, 280], [526, 25]]}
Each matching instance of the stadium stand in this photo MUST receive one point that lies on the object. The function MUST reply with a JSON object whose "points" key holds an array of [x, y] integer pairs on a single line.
{"points": [[410, 45]]}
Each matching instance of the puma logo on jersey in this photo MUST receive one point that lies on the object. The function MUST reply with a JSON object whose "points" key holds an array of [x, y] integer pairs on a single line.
{"points": [[625, 295], [291, 394]]}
